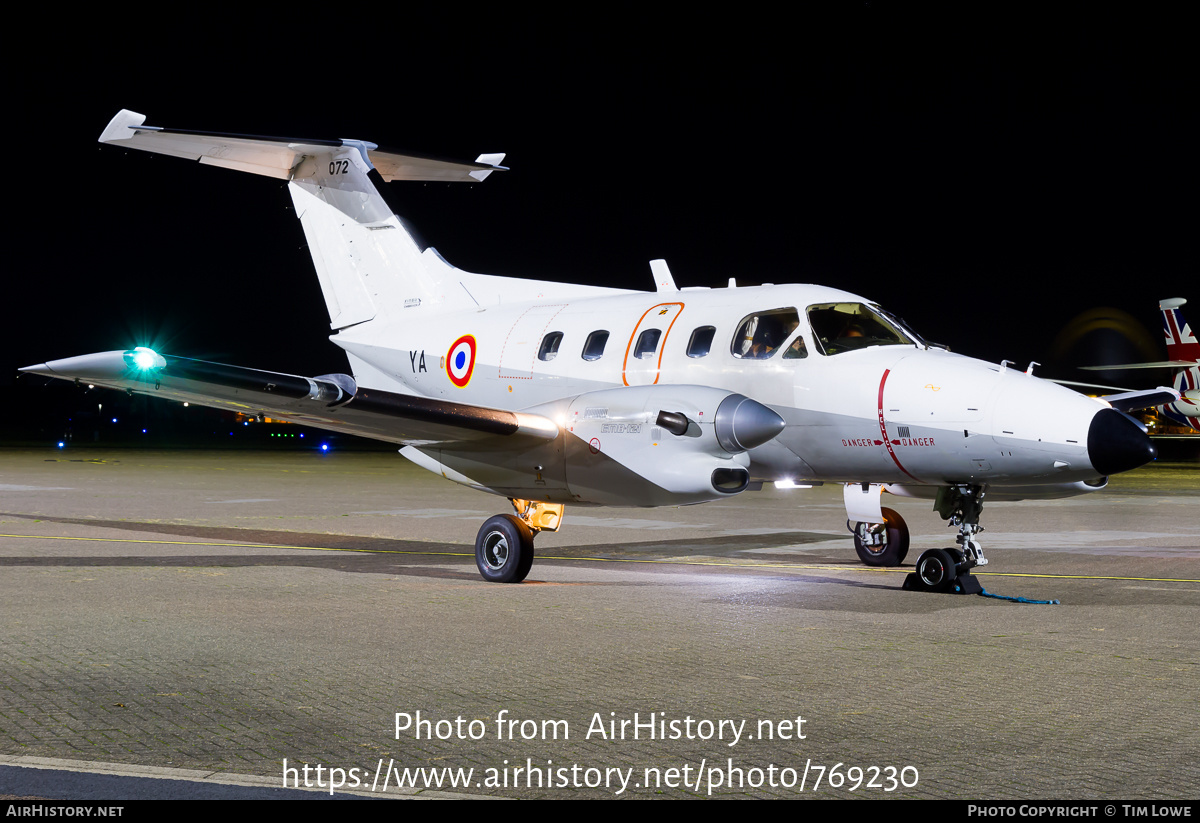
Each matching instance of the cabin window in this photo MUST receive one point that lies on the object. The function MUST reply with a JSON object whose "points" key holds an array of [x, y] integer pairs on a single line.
{"points": [[760, 335], [796, 351], [593, 347], [647, 343], [549, 349], [701, 341], [843, 327]]}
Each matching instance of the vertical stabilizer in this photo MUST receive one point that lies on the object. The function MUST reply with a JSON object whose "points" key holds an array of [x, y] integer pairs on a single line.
{"points": [[1184, 350], [1181, 342], [363, 256]]}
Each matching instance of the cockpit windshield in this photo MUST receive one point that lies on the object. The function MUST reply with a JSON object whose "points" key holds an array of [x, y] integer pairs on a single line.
{"points": [[843, 327]]}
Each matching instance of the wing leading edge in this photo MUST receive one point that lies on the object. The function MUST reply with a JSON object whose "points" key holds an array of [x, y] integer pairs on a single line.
{"points": [[333, 401]]}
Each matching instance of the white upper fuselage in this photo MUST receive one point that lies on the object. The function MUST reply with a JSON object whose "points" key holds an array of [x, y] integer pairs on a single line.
{"points": [[899, 413]]}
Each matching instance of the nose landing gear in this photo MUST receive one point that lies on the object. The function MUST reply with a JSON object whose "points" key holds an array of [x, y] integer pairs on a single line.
{"points": [[949, 570], [936, 570]]}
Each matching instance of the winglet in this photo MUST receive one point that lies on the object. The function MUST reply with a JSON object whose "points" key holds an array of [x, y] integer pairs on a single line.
{"points": [[489, 160], [122, 125]]}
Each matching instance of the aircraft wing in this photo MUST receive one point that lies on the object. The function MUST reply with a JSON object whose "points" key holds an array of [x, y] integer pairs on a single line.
{"points": [[1130, 400], [332, 401], [1162, 364]]}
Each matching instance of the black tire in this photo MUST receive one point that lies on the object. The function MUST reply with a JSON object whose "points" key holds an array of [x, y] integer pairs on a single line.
{"points": [[936, 570], [504, 549], [895, 542]]}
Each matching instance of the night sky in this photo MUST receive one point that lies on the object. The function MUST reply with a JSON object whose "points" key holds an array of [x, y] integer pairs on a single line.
{"points": [[987, 177]]}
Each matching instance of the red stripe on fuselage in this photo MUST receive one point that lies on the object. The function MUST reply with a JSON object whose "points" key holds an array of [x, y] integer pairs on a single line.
{"points": [[883, 427]]}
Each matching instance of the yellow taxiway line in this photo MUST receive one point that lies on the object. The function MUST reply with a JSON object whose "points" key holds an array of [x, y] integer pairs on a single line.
{"points": [[680, 562]]}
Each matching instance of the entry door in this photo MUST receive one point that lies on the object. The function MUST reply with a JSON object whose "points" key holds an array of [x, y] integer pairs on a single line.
{"points": [[521, 345], [644, 367]]}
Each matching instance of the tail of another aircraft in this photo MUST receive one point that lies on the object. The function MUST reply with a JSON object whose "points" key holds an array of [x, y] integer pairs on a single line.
{"points": [[1183, 351], [369, 265], [1181, 343]]}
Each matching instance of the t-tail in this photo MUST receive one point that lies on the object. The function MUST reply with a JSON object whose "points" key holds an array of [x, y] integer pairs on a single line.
{"points": [[368, 263], [371, 267]]}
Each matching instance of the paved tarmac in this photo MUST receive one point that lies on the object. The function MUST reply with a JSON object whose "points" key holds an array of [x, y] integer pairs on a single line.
{"points": [[226, 611]]}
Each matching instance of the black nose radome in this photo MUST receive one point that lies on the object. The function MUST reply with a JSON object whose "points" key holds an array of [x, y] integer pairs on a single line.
{"points": [[1116, 443]]}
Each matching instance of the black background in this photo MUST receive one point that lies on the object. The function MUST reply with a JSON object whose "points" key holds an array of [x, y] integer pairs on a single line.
{"points": [[985, 173]]}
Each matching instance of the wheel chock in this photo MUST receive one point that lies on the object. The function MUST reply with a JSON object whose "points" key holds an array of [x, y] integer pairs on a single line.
{"points": [[965, 583]]}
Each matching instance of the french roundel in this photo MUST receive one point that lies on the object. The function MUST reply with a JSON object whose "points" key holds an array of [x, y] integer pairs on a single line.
{"points": [[460, 360]]}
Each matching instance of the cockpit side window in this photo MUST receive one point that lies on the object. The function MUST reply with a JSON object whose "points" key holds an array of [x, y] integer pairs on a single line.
{"points": [[796, 351], [701, 341], [843, 327], [760, 335]]}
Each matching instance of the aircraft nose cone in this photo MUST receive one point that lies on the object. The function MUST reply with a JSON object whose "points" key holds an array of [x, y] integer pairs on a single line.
{"points": [[743, 423], [1117, 444]]}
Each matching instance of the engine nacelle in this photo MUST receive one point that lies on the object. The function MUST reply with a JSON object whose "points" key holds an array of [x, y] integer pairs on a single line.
{"points": [[659, 445], [629, 446]]}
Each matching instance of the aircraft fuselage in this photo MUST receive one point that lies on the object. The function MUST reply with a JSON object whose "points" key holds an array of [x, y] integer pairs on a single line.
{"points": [[899, 412]]}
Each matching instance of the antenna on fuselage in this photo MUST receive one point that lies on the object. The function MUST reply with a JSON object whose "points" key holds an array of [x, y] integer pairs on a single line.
{"points": [[663, 281]]}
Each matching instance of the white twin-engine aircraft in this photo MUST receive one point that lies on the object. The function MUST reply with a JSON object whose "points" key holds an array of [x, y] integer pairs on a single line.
{"points": [[552, 394]]}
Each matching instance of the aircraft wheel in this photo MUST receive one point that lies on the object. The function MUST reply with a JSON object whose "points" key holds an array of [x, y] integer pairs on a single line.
{"points": [[504, 549], [937, 570], [894, 548]]}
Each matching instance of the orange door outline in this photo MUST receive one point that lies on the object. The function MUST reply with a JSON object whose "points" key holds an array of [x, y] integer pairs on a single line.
{"points": [[662, 344]]}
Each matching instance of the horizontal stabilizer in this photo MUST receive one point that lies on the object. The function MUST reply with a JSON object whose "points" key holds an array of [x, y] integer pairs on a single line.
{"points": [[279, 156], [331, 402], [414, 167]]}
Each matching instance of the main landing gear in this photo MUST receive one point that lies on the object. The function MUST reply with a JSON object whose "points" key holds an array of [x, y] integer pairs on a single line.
{"points": [[504, 546], [949, 570], [882, 544]]}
